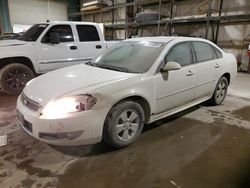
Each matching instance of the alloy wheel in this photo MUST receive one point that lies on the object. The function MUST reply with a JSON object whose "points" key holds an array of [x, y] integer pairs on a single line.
{"points": [[16, 79], [127, 125], [221, 91]]}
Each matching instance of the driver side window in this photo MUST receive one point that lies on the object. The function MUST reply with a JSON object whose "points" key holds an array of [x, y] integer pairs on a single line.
{"points": [[180, 53], [64, 31]]}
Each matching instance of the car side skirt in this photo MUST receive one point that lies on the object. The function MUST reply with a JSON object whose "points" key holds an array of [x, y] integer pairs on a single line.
{"points": [[176, 110]]}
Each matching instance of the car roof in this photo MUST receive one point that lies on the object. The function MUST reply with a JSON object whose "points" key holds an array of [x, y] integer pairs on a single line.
{"points": [[166, 39]]}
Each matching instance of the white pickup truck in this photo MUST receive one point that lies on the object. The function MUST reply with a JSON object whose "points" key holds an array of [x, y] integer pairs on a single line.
{"points": [[45, 47]]}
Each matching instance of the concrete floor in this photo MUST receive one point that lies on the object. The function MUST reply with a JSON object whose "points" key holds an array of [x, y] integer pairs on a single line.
{"points": [[204, 146]]}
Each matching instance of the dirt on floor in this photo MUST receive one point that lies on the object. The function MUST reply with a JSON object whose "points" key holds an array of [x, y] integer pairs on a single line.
{"points": [[183, 153], [243, 113]]}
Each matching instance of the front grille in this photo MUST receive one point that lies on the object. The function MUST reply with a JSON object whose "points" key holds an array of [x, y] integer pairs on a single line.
{"points": [[33, 105]]}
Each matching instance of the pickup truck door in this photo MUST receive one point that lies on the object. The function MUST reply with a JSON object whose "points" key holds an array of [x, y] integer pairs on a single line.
{"points": [[90, 41], [53, 56]]}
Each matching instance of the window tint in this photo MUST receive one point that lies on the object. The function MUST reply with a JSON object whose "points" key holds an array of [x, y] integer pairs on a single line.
{"points": [[203, 51], [65, 33], [217, 53], [180, 54], [87, 33], [33, 33]]}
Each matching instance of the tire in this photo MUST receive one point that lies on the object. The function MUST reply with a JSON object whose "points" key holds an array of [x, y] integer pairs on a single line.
{"points": [[123, 124], [13, 78], [220, 92]]}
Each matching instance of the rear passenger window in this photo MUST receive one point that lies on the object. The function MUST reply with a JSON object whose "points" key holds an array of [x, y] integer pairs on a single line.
{"points": [[217, 53], [203, 51], [180, 54], [87, 33]]}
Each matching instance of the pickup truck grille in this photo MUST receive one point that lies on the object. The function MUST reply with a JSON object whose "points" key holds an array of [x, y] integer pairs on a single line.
{"points": [[32, 105]]}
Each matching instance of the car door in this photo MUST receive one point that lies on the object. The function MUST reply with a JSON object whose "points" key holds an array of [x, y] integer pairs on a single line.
{"points": [[207, 68], [175, 88], [89, 42], [53, 56]]}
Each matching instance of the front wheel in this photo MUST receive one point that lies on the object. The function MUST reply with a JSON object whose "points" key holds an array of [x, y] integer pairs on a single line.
{"points": [[123, 124], [220, 91], [13, 78]]}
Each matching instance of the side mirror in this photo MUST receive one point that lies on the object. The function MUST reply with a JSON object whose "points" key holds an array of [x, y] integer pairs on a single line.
{"points": [[170, 66], [54, 38]]}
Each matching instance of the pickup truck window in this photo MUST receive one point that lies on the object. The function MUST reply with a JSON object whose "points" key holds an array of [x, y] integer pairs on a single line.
{"points": [[33, 33], [65, 33], [87, 33]]}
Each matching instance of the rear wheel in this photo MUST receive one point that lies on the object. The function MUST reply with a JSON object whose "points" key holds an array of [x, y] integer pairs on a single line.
{"points": [[13, 78], [124, 124], [220, 92]]}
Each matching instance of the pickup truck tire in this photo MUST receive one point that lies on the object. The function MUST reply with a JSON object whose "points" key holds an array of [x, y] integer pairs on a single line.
{"points": [[123, 124], [13, 78]]}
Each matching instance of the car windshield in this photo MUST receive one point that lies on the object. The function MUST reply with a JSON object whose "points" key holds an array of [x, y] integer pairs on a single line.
{"points": [[129, 56], [33, 33]]}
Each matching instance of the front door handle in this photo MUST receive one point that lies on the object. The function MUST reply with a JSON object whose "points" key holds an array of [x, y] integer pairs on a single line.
{"points": [[98, 46], [73, 47], [217, 66], [190, 73]]}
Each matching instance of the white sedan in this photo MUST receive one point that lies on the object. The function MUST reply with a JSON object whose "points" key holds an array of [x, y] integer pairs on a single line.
{"points": [[136, 82]]}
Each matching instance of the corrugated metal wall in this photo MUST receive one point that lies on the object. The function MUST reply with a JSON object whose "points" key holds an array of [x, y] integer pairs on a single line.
{"points": [[28, 12]]}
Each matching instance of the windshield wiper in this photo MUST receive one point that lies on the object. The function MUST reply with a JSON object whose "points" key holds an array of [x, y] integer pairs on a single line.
{"points": [[110, 67], [91, 64]]}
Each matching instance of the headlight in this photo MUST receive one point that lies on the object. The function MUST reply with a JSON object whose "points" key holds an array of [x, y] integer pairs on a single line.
{"points": [[60, 108]]}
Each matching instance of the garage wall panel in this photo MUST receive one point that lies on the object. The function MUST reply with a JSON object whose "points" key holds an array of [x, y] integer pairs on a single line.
{"points": [[28, 12], [4, 17]]}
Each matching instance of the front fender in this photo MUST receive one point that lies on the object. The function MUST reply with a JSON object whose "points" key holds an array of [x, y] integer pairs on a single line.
{"points": [[133, 87], [26, 51]]}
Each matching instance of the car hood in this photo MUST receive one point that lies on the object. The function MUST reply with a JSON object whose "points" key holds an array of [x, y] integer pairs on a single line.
{"points": [[64, 81], [4, 43]]}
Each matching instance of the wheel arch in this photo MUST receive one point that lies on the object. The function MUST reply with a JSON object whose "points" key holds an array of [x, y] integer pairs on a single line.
{"points": [[18, 59], [141, 100], [227, 76]]}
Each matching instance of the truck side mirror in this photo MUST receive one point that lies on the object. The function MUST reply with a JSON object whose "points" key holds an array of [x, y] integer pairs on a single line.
{"points": [[54, 38]]}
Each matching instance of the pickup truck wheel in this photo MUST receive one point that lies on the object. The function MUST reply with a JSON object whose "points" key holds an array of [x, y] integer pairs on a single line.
{"points": [[220, 92], [13, 78], [124, 124]]}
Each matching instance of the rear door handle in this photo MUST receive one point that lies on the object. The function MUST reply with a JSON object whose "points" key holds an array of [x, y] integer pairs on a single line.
{"points": [[217, 66], [190, 73], [73, 47], [98, 46]]}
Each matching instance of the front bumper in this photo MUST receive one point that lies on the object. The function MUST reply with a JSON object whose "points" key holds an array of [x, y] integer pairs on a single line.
{"points": [[78, 129]]}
